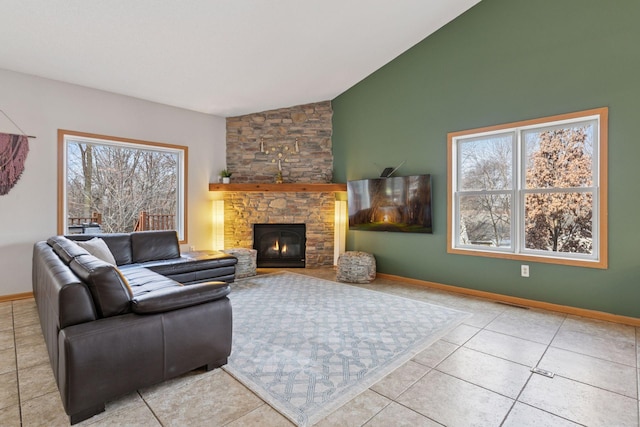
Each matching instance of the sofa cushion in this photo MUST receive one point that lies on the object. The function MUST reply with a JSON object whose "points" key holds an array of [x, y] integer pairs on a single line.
{"points": [[142, 280], [191, 262], [154, 245], [66, 249], [109, 289], [99, 249], [176, 297]]}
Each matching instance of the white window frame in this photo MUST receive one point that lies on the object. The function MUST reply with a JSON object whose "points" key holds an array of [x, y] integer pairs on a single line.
{"points": [[517, 250], [65, 137]]}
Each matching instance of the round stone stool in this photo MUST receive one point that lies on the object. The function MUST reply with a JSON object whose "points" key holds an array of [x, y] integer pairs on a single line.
{"points": [[246, 265], [356, 267]]}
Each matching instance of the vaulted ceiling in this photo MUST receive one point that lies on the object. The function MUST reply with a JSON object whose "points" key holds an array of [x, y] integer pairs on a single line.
{"points": [[222, 57]]}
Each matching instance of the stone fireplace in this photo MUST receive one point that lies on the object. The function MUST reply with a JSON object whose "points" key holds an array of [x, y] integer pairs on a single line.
{"points": [[316, 210], [296, 143]]}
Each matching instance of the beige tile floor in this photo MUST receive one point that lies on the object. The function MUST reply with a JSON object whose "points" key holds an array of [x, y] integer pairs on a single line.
{"points": [[478, 375]]}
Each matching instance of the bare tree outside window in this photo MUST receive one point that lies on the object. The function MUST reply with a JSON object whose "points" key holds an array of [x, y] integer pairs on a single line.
{"points": [[486, 183], [122, 186]]}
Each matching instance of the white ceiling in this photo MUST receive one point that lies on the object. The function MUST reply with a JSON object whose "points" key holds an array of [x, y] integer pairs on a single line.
{"points": [[222, 57]]}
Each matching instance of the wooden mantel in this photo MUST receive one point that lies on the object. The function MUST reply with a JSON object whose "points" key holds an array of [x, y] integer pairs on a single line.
{"points": [[293, 187]]}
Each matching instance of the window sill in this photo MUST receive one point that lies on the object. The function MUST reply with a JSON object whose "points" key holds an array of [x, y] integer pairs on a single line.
{"points": [[601, 264]]}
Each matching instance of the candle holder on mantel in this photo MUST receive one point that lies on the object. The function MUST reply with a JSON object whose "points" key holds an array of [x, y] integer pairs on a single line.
{"points": [[281, 154]]}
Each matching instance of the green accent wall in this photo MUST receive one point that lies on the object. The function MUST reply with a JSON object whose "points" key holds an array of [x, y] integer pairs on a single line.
{"points": [[503, 61]]}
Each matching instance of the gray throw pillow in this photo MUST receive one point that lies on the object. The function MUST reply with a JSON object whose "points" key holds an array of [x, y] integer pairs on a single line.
{"points": [[99, 249]]}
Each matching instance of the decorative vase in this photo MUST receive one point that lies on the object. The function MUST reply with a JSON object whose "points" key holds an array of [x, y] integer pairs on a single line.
{"points": [[226, 179], [279, 179]]}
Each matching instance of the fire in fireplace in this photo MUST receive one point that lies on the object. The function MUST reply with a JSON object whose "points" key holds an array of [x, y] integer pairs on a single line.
{"points": [[280, 245]]}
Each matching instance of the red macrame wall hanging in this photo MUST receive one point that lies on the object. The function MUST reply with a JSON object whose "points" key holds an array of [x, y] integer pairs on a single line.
{"points": [[13, 153]]}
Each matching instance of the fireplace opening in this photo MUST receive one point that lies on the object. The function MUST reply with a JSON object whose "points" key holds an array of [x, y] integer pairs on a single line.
{"points": [[280, 245]]}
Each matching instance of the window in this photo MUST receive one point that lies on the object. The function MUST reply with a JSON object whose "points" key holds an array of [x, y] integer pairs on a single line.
{"points": [[117, 185], [533, 190]]}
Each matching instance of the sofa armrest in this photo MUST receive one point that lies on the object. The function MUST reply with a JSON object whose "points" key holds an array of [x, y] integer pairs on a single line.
{"points": [[176, 297]]}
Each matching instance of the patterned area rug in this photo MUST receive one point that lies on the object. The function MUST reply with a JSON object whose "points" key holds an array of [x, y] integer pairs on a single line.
{"points": [[307, 346]]}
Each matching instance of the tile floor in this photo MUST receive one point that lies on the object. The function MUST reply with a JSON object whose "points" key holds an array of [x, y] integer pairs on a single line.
{"points": [[478, 375]]}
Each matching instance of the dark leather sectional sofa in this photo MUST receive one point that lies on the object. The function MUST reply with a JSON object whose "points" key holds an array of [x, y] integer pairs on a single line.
{"points": [[112, 329]]}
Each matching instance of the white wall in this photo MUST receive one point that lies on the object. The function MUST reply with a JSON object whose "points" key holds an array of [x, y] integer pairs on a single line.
{"points": [[41, 107]]}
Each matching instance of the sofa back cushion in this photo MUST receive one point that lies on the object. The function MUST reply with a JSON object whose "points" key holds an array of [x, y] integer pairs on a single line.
{"points": [[109, 289], [65, 248], [154, 245]]}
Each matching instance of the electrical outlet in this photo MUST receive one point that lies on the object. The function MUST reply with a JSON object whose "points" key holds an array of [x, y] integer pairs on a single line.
{"points": [[524, 270], [192, 248]]}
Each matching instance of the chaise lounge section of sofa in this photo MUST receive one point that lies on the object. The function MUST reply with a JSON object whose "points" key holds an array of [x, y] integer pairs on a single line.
{"points": [[112, 328]]}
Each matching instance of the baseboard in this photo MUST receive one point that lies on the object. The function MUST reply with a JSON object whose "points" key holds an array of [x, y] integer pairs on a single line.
{"points": [[16, 297], [592, 314]]}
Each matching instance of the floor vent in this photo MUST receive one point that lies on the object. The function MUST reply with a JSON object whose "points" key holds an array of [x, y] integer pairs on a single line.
{"points": [[548, 374], [512, 305]]}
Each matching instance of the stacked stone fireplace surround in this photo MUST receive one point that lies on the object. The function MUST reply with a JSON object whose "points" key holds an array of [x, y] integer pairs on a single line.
{"points": [[254, 142]]}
